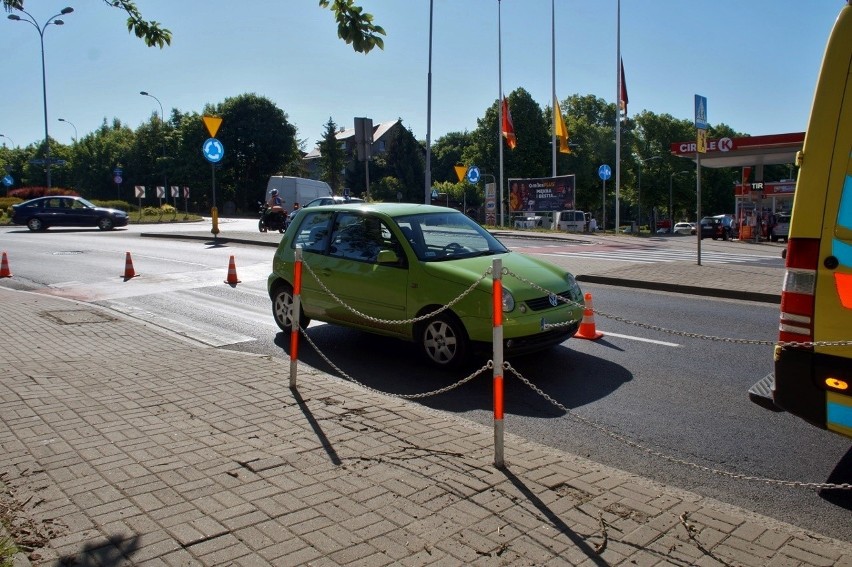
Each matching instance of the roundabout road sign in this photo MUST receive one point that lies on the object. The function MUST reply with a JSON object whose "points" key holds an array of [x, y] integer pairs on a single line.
{"points": [[213, 150], [473, 174]]}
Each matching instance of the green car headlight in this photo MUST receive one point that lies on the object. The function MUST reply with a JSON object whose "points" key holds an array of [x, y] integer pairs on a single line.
{"points": [[574, 288], [508, 301]]}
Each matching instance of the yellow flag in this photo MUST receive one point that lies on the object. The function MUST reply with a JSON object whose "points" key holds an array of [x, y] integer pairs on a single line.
{"points": [[561, 130]]}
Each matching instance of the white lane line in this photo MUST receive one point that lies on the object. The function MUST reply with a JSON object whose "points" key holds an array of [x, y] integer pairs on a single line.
{"points": [[641, 339]]}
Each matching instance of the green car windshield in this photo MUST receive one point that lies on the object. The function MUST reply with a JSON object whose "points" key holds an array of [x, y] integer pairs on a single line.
{"points": [[443, 236]]}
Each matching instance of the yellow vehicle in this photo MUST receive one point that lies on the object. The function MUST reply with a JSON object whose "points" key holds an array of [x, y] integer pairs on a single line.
{"points": [[814, 380]]}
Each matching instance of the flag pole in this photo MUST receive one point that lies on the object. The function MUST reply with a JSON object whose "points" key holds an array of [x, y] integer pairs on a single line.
{"points": [[427, 199], [617, 121], [500, 105], [553, 81]]}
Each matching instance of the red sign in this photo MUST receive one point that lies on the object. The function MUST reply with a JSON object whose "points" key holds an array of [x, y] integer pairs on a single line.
{"points": [[747, 142]]}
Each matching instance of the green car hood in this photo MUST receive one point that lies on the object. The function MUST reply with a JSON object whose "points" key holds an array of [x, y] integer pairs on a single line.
{"points": [[465, 271]]}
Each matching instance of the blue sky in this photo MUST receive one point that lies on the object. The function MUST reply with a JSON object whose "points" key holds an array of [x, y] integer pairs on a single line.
{"points": [[756, 61]]}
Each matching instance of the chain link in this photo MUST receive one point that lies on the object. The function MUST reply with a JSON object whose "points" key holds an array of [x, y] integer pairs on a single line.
{"points": [[782, 344], [671, 459], [551, 400], [487, 366], [423, 317]]}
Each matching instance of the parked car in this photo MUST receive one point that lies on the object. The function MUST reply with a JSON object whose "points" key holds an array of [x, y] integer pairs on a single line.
{"points": [[320, 201], [44, 212], [684, 228], [333, 200], [781, 230], [399, 262], [716, 227]]}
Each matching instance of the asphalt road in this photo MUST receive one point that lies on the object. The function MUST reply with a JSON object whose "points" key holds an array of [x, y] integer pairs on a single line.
{"points": [[682, 397]]}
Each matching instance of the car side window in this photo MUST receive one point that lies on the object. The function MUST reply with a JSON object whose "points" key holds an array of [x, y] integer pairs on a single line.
{"points": [[361, 238], [313, 232]]}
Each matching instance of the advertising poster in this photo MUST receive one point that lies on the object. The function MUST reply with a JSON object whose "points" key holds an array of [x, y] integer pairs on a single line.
{"points": [[542, 194]]}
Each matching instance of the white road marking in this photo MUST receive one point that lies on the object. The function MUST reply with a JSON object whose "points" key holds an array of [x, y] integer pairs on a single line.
{"points": [[641, 339]]}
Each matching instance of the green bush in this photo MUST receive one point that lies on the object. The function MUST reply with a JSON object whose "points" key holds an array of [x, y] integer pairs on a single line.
{"points": [[7, 202], [115, 204]]}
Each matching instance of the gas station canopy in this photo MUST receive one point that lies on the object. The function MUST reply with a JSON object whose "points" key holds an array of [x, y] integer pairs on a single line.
{"points": [[773, 149]]}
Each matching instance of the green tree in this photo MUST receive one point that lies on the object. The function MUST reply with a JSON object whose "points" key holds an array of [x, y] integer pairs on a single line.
{"points": [[354, 26], [405, 160], [97, 155], [332, 157], [259, 141], [447, 152]]}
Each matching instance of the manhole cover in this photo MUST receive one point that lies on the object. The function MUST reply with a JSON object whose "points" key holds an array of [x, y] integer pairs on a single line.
{"points": [[77, 316]]}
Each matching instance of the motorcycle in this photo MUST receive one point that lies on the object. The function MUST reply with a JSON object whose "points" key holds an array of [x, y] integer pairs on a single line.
{"points": [[271, 220]]}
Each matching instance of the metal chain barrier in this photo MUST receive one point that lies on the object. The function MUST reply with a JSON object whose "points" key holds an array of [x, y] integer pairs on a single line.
{"points": [[489, 365], [782, 344], [507, 366], [396, 321], [676, 460]]}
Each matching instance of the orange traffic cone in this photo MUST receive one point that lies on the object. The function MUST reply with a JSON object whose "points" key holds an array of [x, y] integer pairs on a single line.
{"points": [[4, 268], [232, 273], [129, 272], [587, 326]]}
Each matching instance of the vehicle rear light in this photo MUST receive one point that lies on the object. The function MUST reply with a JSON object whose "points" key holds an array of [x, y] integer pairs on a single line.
{"points": [[797, 295]]}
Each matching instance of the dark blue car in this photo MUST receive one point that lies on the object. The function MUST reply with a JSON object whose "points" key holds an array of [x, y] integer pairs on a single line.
{"points": [[62, 210]]}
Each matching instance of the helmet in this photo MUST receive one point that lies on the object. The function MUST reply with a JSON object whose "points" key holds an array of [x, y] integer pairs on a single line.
{"points": [[274, 192]]}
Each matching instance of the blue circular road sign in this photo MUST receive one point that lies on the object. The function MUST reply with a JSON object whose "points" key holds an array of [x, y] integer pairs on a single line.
{"points": [[213, 150], [604, 172], [473, 174], [7, 180]]}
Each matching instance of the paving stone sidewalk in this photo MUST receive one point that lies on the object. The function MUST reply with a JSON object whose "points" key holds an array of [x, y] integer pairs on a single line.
{"points": [[125, 445]]}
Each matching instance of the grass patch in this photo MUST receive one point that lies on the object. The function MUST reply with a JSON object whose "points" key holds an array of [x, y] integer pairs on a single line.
{"points": [[8, 550]]}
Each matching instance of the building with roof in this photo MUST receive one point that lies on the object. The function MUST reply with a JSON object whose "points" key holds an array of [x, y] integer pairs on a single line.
{"points": [[383, 133]]}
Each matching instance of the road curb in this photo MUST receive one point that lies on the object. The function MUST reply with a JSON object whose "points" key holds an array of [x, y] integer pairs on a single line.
{"points": [[680, 288]]}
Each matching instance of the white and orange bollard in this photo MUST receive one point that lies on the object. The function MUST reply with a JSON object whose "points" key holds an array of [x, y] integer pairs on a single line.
{"points": [[587, 326], [497, 357], [296, 308]]}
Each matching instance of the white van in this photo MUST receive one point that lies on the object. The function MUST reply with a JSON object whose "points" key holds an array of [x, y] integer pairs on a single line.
{"points": [[571, 221], [297, 189]]}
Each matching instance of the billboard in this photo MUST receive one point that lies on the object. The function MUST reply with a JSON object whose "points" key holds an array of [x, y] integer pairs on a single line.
{"points": [[542, 194]]}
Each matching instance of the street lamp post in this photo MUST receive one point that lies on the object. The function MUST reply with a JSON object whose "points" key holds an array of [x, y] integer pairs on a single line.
{"points": [[40, 29], [72, 125], [639, 186], [671, 211], [8, 138], [163, 120]]}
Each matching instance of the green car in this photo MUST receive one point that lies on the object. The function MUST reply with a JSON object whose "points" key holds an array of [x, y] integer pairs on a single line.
{"points": [[418, 273]]}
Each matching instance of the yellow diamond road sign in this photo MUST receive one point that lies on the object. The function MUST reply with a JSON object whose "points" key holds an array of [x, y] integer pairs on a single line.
{"points": [[212, 123]]}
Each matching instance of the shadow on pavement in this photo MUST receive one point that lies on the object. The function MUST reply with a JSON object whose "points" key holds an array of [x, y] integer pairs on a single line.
{"points": [[115, 550], [572, 378], [842, 474]]}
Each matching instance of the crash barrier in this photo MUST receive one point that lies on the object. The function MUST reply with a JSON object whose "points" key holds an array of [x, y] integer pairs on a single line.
{"points": [[499, 367]]}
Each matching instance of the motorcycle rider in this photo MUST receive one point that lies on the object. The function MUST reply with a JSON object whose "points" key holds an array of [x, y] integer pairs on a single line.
{"points": [[275, 203]]}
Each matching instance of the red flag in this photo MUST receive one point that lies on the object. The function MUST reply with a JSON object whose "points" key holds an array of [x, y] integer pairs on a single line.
{"points": [[508, 127], [622, 103]]}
